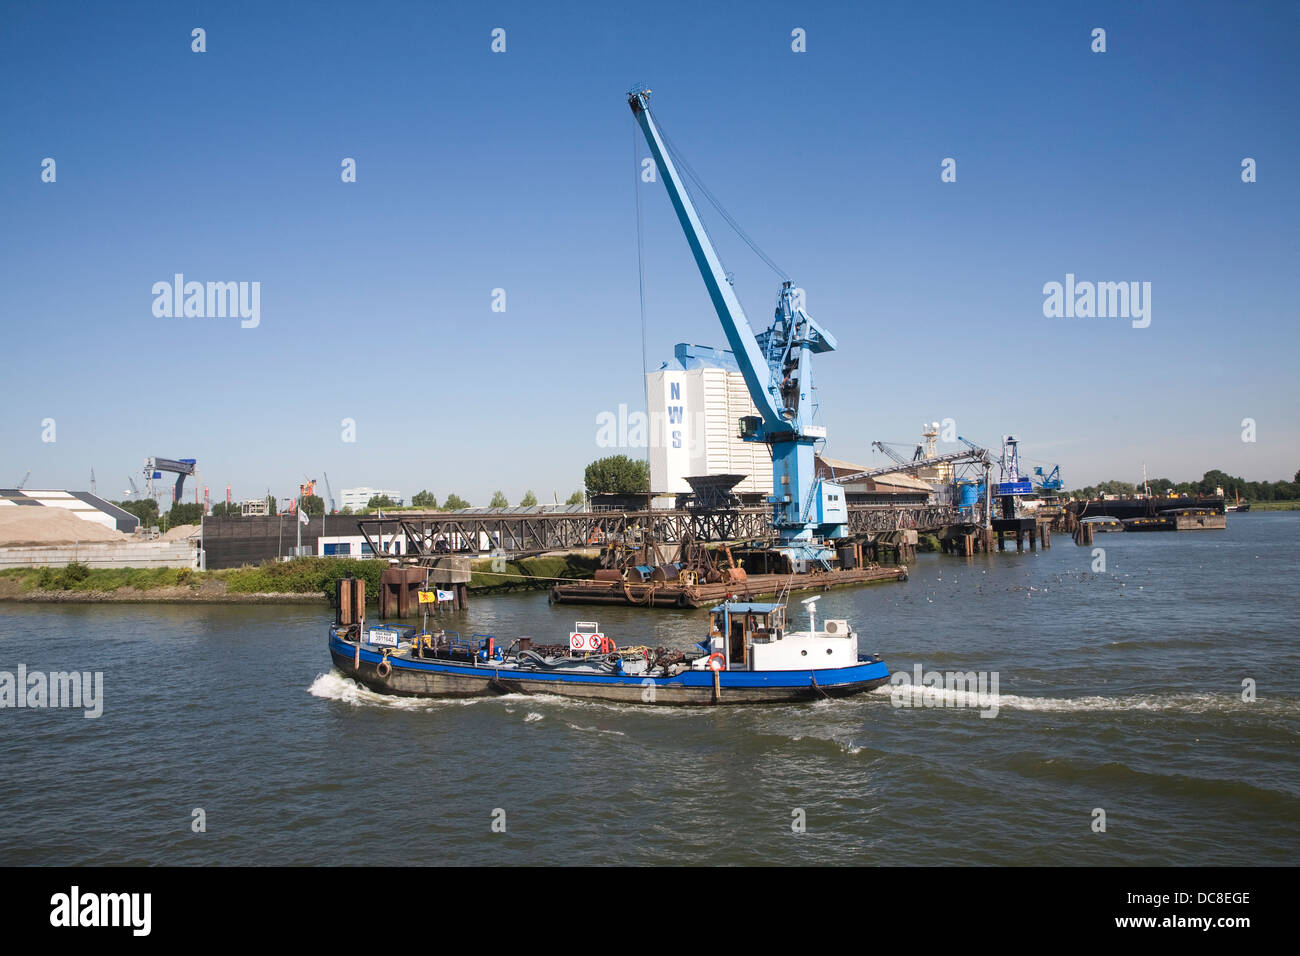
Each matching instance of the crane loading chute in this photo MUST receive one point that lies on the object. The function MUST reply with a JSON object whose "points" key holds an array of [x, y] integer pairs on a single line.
{"points": [[777, 368]]}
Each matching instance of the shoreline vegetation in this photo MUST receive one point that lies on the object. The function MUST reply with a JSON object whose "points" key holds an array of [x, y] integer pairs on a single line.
{"points": [[298, 581], [309, 580]]}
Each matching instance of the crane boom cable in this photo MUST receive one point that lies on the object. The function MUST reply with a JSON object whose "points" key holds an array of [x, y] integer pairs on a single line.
{"points": [[685, 166], [690, 175], [722, 211]]}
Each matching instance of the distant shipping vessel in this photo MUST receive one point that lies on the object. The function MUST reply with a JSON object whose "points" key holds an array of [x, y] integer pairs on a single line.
{"points": [[1144, 507]]}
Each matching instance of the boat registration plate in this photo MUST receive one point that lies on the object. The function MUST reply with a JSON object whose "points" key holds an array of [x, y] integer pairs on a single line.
{"points": [[383, 638]]}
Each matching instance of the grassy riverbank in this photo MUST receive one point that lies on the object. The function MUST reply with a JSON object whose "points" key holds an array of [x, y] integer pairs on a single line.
{"points": [[1275, 506], [298, 580]]}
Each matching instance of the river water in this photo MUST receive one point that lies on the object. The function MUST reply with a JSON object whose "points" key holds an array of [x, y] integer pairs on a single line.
{"points": [[1120, 691]]}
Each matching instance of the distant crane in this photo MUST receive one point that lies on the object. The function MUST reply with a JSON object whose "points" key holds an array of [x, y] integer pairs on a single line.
{"points": [[955, 456], [154, 467], [885, 447], [328, 490], [93, 489], [22, 484], [974, 455], [920, 460], [1050, 481]]}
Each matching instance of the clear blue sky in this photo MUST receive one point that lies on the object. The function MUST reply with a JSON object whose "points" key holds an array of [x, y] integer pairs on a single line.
{"points": [[479, 170]]}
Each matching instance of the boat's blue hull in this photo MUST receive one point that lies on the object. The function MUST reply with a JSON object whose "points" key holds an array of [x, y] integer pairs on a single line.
{"points": [[440, 678]]}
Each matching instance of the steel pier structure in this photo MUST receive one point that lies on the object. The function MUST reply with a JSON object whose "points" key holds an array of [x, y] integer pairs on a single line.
{"points": [[430, 535]]}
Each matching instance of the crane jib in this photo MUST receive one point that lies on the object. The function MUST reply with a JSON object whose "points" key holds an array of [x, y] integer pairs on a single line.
{"points": [[740, 336], [772, 362]]}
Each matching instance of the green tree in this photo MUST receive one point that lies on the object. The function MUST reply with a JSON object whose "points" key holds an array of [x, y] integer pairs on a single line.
{"points": [[424, 499], [1117, 488], [1214, 478], [346, 510], [380, 501], [1285, 491], [575, 499], [455, 503], [618, 475], [270, 505], [529, 499], [313, 505], [498, 501], [184, 514], [145, 509], [223, 510]]}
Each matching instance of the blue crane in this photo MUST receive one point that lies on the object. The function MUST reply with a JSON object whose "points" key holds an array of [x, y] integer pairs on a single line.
{"points": [[777, 367], [1050, 481], [154, 467], [329, 491]]}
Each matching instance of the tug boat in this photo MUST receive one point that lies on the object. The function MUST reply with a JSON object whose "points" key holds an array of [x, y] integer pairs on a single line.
{"points": [[748, 657]]}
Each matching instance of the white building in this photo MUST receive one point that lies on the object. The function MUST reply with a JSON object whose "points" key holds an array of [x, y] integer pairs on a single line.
{"points": [[83, 504], [695, 403], [358, 498]]}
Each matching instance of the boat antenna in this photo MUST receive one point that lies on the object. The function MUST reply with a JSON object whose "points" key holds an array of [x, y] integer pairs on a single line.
{"points": [[811, 604]]}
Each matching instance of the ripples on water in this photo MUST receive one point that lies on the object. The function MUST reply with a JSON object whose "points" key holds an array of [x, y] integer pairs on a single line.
{"points": [[1119, 690]]}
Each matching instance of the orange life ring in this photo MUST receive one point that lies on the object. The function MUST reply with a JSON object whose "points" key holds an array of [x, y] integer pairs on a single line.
{"points": [[607, 645], [720, 666]]}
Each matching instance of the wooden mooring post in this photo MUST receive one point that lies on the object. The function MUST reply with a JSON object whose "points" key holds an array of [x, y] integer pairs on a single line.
{"points": [[966, 543]]}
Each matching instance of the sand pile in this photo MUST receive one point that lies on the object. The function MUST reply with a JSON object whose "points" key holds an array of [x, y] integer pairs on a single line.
{"points": [[180, 532], [26, 525]]}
